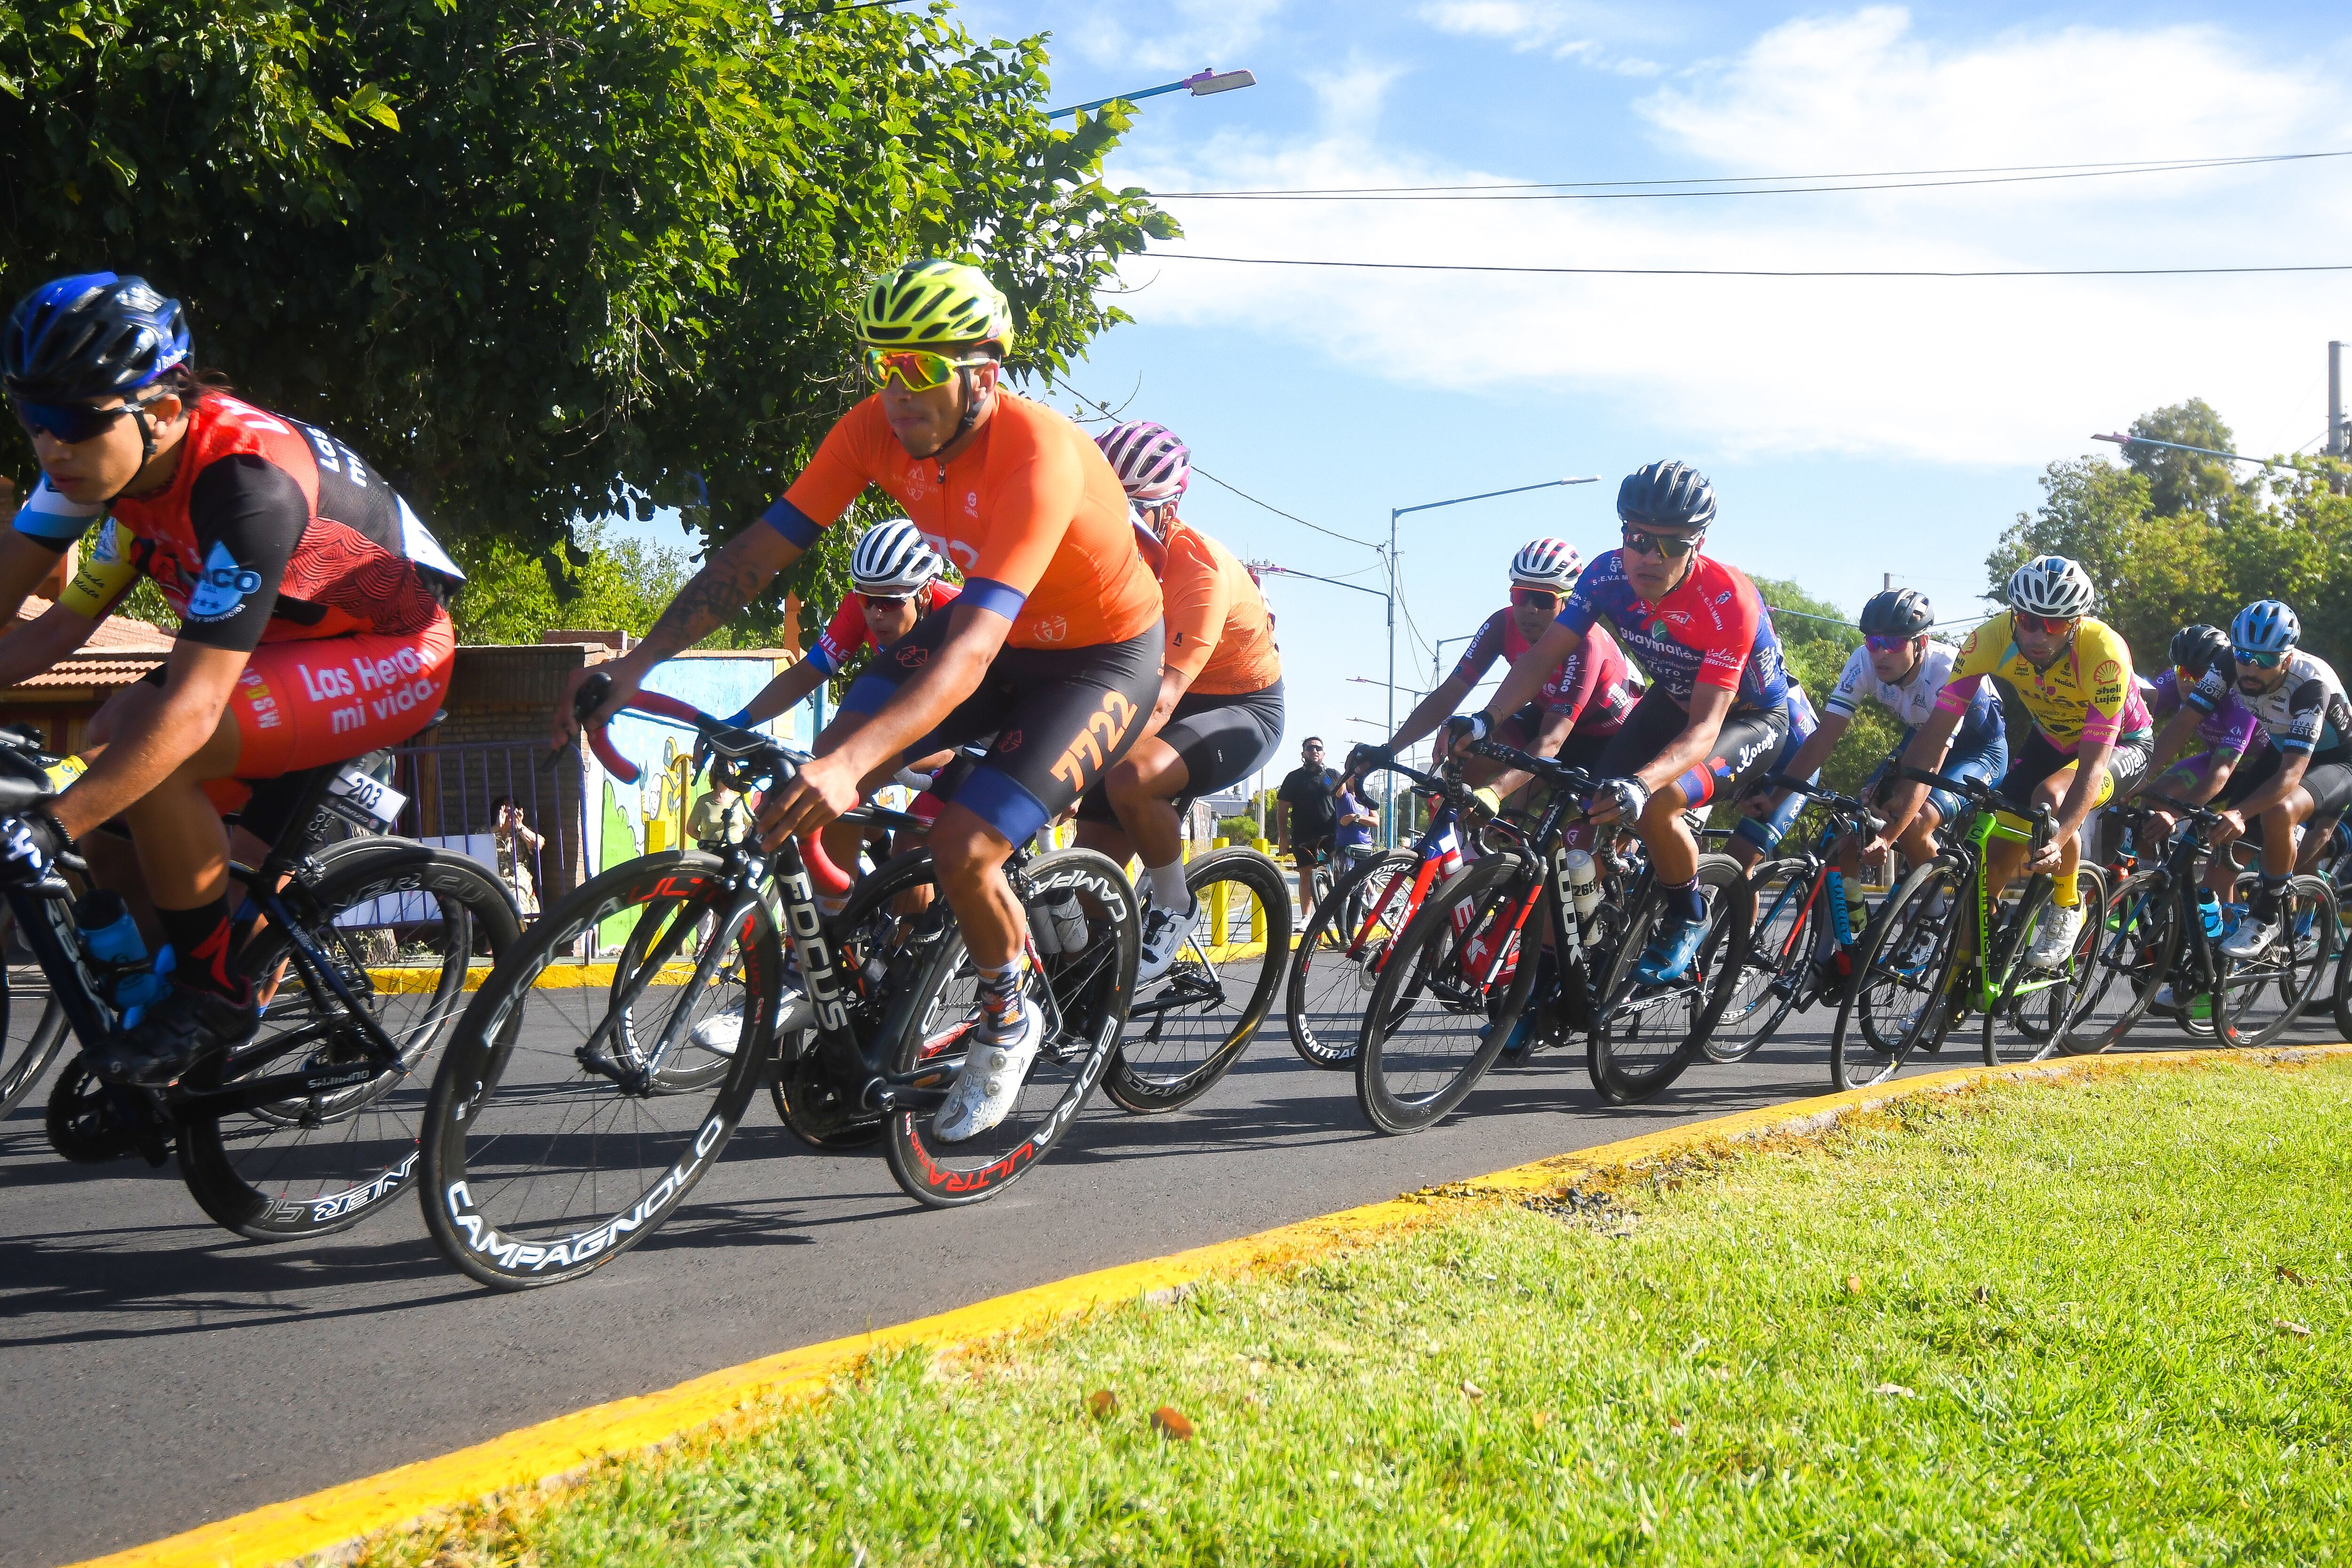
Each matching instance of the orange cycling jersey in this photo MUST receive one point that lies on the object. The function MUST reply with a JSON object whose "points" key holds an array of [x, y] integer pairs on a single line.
{"points": [[1219, 633], [1029, 512]]}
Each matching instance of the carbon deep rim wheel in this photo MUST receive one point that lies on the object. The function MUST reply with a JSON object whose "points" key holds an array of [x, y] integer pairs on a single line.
{"points": [[1446, 1000], [2261, 997], [1337, 963], [325, 1162], [1188, 1027], [1903, 967], [1779, 951], [1644, 1036], [2128, 959], [549, 1151], [1084, 996]]}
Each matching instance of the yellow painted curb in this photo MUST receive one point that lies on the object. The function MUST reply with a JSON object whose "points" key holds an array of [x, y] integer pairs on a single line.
{"points": [[400, 979], [532, 1455]]}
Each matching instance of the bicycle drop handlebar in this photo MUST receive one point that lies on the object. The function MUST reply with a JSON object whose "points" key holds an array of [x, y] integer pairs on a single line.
{"points": [[746, 748], [1976, 792], [1860, 810]]}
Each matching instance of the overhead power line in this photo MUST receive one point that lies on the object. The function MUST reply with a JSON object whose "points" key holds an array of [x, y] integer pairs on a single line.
{"points": [[1750, 272], [1741, 185]]}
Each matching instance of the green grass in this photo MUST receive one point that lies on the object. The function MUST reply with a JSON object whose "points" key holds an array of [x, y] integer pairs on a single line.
{"points": [[2029, 1325]]}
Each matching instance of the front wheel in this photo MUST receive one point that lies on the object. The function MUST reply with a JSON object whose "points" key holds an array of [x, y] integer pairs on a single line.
{"points": [[1085, 996], [1899, 999], [1788, 896], [1187, 1027], [2124, 962], [1338, 957], [1644, 1035], [2263, 995]]}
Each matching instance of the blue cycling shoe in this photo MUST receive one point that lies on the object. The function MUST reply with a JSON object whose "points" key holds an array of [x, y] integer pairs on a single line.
{"points": [[1673, 945], [1514, 1048]]}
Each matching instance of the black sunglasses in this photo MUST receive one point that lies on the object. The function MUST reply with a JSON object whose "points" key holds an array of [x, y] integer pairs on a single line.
{"points": [[72, 423], [1665, 546]]}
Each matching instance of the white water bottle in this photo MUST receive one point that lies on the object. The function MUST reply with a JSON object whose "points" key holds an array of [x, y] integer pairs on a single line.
{"points": [[1583, 888]]}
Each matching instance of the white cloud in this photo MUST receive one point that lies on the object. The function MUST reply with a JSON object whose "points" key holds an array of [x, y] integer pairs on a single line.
{"points": [[1970, 371], [1580, 30], [1184, 35]]}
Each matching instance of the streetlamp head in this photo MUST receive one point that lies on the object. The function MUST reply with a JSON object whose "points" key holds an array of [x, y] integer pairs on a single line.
{"points": [[1208, 81]]}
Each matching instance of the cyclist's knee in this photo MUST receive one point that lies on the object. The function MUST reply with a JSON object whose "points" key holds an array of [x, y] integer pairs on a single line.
{"points": [[962, 843]]}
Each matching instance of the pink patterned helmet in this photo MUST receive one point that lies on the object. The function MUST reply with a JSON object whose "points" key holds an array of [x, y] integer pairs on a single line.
{"points": [[1152, 464]]}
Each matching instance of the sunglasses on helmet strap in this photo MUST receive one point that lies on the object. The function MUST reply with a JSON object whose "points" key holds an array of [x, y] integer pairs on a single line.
{"points": [[917, 370], [1666, 546]]}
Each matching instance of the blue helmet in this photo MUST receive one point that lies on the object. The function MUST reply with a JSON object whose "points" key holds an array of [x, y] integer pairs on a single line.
{"points": [[92, 335], [2266, 626]]}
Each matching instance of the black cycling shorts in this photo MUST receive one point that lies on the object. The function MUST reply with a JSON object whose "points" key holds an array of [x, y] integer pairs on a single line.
{"points": [[2328, 779], [2037, 760], [1060, 718], [1744, 749], [1221, 740]]}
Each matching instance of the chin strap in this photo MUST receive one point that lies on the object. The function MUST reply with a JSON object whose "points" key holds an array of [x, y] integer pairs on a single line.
{"points": [[146, 451], [972, 405]]}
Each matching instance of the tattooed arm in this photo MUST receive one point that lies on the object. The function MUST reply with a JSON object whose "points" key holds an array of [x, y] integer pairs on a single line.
{"points": [[730, 579]]}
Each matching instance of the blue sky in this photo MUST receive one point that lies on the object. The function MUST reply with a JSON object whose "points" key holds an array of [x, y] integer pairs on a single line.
{"points": [[1851, 427]]}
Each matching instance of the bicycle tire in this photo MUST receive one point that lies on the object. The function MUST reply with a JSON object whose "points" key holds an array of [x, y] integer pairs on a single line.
{"points": [[2295, 967], [24, 1061], [1903, 970], [1145, 1080], [527, 1088], [1779, 951], [1405, 1088], [299, 1169], [1620, 1068], [1085, 995], [2039, 1017], [2137, 948], [869, 940], [1326, 984]]}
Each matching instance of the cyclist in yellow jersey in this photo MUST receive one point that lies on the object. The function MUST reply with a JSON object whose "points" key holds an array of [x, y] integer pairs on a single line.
{"points": [[2092, 736]]}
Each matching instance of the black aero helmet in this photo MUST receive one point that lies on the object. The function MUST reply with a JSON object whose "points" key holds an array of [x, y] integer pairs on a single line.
{"points": [[1670, 493], [92, 335], [2194, 648], [1898, 612]]}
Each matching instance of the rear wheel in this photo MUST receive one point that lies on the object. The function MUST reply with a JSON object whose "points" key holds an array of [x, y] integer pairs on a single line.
{"points": [[2038, 1017], [2125, 960], [1085, 996], [1779, 952], [1899, 1001], [33, 1029], [551, 1143], [1337, 960], [1643, 1036], [2261, 996], [1187, 1027], [323, 1161], [1453, 986]]}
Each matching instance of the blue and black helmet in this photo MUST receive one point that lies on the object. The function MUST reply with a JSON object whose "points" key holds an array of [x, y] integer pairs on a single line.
{"points": [[92, 335], [1675, 494]]}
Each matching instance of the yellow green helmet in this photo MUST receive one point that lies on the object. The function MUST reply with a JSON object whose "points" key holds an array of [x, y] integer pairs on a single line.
{"points": [[928, 302]]}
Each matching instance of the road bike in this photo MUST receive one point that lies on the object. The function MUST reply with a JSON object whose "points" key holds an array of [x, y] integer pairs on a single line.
{"points": [[1946, 944], [572, 1116], [1471, 961], [1802, 929], [311, 1125], [2156, 955]]}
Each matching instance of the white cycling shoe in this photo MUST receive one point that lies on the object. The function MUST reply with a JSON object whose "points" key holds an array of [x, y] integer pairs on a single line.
{"points": [[993, 1072], [1165, 933], [2252, 938], [2053, 940], [719, 1033]]}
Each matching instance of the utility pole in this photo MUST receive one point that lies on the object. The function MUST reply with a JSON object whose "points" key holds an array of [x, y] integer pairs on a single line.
{"points": [[1886, 582], [2335, 432]]}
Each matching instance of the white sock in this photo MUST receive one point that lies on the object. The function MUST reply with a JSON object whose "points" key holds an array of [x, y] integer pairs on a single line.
{"points": [[1168, 889]]}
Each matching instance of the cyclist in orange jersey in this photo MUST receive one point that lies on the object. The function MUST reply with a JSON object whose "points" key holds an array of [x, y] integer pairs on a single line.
{"points": [[1219, 713], [1054, 649]]}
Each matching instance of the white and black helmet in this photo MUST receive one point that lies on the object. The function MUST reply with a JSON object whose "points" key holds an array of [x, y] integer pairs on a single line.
{"points": [[894, 557], [2051, 585], [1152, 464], [1546, 564]]}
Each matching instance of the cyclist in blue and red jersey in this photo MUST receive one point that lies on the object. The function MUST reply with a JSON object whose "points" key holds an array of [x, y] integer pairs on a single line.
{"points": [[1721, 708], [313, 626]]}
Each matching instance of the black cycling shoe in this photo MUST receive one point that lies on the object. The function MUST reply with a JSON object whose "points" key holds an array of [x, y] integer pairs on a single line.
{"points": [[173, 1032]]}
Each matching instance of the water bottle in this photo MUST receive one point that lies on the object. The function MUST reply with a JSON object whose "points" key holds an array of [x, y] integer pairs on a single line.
{"points": [[111, 938], [2209, 910], [1583, 888], [1058, 926], [1841, 916]]}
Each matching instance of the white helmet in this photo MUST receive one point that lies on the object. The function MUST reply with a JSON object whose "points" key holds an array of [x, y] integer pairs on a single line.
{"points": [[2051, 585], [1152, 464], [1546, 564], [894, 557]]}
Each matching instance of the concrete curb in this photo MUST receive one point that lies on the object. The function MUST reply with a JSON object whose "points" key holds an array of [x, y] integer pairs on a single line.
{"points": [[535, 1455]]}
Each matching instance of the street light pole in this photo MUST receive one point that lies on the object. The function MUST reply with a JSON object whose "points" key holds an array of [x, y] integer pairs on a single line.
{"points": [[1389, 831], [1202, 83]]}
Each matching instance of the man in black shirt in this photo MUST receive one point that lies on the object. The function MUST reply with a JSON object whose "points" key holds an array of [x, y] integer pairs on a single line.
{"points": [[1309, 815]]}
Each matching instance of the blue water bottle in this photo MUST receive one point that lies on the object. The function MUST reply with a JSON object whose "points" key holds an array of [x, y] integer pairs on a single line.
{"points": [[111, 938], [2209, 910]]}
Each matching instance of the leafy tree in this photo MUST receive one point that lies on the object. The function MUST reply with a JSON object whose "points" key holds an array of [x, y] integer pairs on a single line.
{"points": [[620, 585], [548, 260], [2185, 482], [1816, 636]]}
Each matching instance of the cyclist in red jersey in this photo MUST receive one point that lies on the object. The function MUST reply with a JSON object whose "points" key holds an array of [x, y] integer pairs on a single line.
{"points": [[1218, 716], [1580, 703], [1054, 649], [311, 602], [1721, 708]]}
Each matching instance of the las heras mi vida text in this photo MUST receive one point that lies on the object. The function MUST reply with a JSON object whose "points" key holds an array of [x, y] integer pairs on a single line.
{"points": [[395, 683]]}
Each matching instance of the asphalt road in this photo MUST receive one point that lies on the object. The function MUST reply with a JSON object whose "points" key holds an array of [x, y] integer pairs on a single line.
{"points": [[159, 1374]]}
